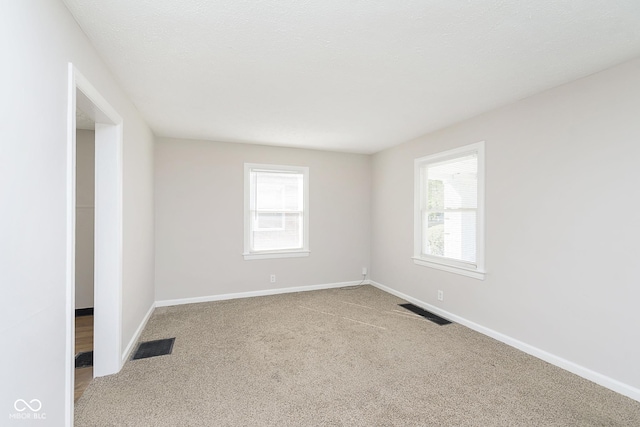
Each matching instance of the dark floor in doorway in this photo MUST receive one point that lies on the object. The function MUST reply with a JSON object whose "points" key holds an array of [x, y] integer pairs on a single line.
{"points": [[84, 359], [154, 348]]}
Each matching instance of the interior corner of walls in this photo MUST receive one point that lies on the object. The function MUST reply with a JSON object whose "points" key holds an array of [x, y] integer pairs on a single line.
{"points": [[136, 335]]}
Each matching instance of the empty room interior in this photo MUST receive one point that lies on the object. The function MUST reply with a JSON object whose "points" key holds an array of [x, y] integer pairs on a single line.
{"points": [[320, 212]]}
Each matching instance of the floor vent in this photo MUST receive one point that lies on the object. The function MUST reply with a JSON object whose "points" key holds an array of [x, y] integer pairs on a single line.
{"points": [[154, 348], [84, 359], [426, 314]]}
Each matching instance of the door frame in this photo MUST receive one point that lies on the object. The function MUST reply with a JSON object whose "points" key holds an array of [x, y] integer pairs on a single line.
{"points": [[108, 232]]}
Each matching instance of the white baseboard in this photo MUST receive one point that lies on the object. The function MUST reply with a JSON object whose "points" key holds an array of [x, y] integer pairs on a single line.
{"points": [[222, 297], [127, 351], [596, 377]]}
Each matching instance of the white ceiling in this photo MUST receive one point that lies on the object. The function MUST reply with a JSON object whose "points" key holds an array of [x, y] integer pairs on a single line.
{"points": [[353, 75]]}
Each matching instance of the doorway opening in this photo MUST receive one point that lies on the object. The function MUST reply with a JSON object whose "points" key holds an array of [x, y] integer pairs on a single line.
{"points": [[85, 224], [107, 232]]}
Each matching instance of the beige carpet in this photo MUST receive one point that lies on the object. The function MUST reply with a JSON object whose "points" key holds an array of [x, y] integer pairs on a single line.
{"points": [[338, 358]]}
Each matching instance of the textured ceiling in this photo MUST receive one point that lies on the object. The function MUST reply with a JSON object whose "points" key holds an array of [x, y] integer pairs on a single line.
{"points": [[354, 75]]}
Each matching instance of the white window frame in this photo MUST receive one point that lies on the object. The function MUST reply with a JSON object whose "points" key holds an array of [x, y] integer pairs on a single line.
{"points": [[250, 254], [477, 269]]}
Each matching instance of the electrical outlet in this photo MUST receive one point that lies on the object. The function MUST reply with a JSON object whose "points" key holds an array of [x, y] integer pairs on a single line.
{"points": [[364, 271], [273, 278], [440, 296]]}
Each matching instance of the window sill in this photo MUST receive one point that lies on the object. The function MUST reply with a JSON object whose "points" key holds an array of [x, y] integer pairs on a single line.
{"points": [[275, 254], [476, 274]]}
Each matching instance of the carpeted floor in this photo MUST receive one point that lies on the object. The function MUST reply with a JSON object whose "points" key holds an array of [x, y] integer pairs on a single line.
{"points": [[338, 358]]}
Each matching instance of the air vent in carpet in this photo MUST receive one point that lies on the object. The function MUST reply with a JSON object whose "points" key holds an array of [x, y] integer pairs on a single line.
{"points": [[426, 314], [84, 359], [154, 348]]}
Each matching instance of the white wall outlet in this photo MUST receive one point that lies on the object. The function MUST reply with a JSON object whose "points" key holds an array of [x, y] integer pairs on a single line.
{"points": [[364, 271], [273, 278], [440, 296]]}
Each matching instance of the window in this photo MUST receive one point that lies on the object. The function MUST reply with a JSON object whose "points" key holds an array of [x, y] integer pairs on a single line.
{"points": [[276, 211], [449, 211]]}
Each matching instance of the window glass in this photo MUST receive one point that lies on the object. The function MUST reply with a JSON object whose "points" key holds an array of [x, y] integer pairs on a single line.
{"points": [[449, 209], [276, 218]]}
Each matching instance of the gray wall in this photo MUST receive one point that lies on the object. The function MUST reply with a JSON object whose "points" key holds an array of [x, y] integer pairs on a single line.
{"points": [[199, 219], [38, 38], [562, 203], [85, 215]]}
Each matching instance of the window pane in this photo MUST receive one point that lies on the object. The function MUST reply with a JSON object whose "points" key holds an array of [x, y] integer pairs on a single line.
{"points": [[459, 236], [451, 197], [282, 192], [288, 237], [435, 239], [278, 191], [269, 196], [276, 220], [453, 184], [269, 221], [435, 195]]}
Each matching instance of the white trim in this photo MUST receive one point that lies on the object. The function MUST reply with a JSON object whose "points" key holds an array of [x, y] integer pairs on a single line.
{"points": [[136, 336], [275, 254], [476, 274], [596, 377], [71, 250], [97, 103], [443, 263], [250, 294], [108, 252]]}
